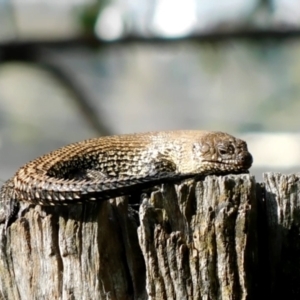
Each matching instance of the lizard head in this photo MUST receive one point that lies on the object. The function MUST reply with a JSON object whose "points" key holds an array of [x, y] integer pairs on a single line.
{"points": [[222, 153]]}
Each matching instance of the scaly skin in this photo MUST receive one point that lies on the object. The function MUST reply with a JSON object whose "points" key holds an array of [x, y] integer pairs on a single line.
{"points": [[109, 166]]}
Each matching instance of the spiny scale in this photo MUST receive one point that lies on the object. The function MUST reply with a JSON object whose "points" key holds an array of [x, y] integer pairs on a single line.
{"points": [[114, 165]]}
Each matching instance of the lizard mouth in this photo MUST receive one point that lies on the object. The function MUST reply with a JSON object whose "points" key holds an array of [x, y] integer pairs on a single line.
{"points": [[228, 162], [242, 161], [229, 167]]}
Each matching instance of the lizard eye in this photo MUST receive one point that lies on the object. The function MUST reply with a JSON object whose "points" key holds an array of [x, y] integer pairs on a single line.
{"points": [[223, 150]]}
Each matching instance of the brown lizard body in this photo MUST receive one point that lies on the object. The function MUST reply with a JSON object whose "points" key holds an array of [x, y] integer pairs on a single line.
{"points": [[109, 166]]}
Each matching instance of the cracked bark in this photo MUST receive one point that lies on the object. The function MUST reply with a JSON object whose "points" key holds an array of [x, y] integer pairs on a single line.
{"points": [[221, 238]]}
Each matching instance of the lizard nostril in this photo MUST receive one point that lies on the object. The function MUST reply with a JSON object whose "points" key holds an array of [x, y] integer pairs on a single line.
{"points": [[246, 159]]}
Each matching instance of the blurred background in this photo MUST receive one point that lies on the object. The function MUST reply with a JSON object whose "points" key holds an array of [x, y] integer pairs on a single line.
{"points": [[75, 69]]}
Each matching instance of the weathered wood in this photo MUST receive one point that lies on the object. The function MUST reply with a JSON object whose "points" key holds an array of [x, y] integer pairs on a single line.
{"points": [[191, 241], [75, 252], [282, 235], [200, 247]]}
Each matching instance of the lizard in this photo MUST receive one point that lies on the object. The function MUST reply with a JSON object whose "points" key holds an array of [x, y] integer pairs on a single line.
{"points": [[111, 166]]}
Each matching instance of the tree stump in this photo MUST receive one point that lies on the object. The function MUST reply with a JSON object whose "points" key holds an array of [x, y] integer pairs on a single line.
{"points": [[224, 237]]}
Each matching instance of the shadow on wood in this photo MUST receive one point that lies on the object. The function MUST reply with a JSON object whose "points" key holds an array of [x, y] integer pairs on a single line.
{"points": [[282, 212]]}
